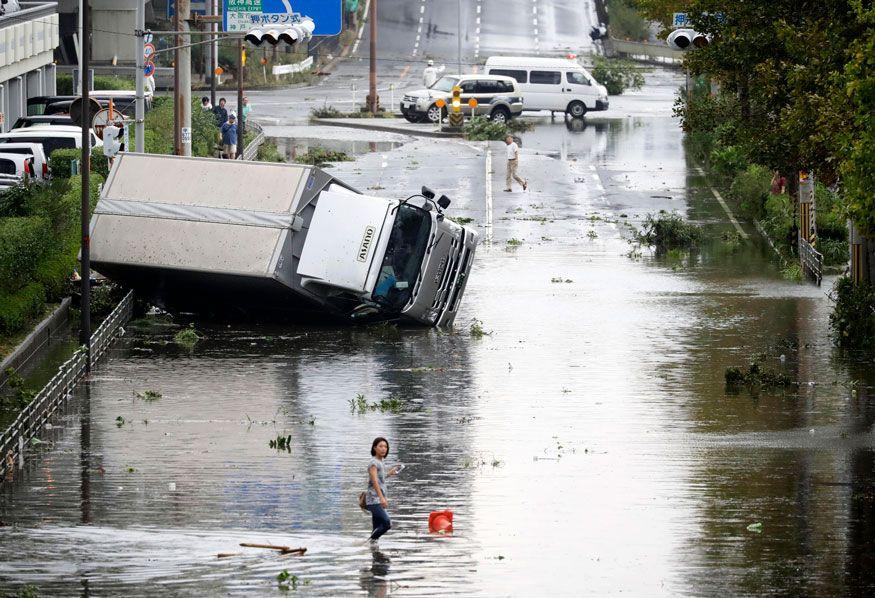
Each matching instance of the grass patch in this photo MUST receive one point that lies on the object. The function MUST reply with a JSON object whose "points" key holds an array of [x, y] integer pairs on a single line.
{"points": [[476, 329], [187, 338], [461, 220], [360, 405], [148, 395], [319, 156], [755, 377], [514, 242], [792, 272], [558, 279], [669, 231], [281, 443]]}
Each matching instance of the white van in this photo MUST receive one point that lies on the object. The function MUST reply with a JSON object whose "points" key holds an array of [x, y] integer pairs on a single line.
{"points": [[553, 84]]}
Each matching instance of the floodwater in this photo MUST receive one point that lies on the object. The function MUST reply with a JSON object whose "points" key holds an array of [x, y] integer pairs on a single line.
{"points": [[587, 444]]}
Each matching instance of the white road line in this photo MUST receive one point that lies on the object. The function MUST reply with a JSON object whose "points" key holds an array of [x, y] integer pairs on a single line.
{"points": [[488, 238], [478, 9], [725, 207], [422, 8]]}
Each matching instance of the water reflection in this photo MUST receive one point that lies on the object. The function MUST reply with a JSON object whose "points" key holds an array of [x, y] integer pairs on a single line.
{"points": [[291, 148]]}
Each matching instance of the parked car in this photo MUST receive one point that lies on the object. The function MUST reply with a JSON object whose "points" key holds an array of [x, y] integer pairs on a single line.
{"points": [[34, 150], [42, 120], [554, 84], [123, 101], [18, 165], [51, 138], [7, 181], [497, 97]]}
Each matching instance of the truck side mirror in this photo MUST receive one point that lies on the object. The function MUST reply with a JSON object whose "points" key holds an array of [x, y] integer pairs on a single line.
{"points": [[427, 193], [444, 202]]}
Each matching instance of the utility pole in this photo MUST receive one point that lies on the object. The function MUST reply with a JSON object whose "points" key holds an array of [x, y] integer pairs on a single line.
{"points": [[85, 305], [183, 8], [213, 10], [177, 142], [241, 127], [140, 107], [460, 36], [373, 100]]}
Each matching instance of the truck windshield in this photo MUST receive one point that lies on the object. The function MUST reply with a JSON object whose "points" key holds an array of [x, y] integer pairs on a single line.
{"points": [[403, 258]]}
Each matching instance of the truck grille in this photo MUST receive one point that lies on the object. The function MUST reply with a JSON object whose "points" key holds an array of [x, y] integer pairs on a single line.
{"points": [[440, 296], [463, 267]]}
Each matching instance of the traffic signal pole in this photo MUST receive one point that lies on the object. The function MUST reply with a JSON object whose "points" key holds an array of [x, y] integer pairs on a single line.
{"points": [[140, 107], [85, 170]]}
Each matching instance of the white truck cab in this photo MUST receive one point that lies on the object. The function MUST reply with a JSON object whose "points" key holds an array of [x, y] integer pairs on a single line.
{"points": [[554, 84]]}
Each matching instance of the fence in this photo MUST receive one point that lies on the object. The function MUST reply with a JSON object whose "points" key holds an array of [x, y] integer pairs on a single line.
{"points": [[653, 53], [14, 441], [251, 150], [812, 261]]}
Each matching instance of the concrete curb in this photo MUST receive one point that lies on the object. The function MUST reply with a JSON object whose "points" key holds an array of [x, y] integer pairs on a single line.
{"points": [[36, 340], [380, 127]]}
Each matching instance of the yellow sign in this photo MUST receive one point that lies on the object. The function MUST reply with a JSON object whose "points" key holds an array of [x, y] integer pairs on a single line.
{"points": [[440, 103], [472, 103]]}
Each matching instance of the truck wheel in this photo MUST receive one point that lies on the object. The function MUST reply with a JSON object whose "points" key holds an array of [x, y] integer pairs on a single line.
{"points": [[576, 109], [434, 114], [500, 115]]}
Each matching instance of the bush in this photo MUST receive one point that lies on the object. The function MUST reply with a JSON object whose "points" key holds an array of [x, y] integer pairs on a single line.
{"points": [[778, 220], [480, 128], [625, 22], [700, 144], [17, 308], [617, 75], [727, 161], [751, 189], [23, 242], [669, 231], [853, 318], [158, 129], [831, 218], [836, 252], [319, 156], [101, 82], [268, 152], [61, 162], [16, 200]]}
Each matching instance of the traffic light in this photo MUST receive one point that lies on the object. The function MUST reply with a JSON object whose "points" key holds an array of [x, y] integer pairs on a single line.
{"points": [[687, 39], [300, 31], [455, 116]]}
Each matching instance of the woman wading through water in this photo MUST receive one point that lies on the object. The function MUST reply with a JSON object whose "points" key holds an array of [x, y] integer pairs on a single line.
{"points": [[375, 497]]}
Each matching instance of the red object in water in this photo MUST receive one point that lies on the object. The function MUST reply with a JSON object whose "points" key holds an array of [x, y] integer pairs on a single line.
{"points": [[440, 522]]}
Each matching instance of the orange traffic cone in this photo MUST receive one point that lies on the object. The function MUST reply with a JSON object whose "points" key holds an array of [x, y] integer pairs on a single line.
{"points": [[440, 522]]}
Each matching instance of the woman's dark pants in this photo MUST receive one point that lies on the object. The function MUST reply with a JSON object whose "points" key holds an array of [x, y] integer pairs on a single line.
{"points": [[380, 519]]}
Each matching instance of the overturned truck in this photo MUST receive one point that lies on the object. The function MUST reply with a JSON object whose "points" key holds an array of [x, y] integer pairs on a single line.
{"points": [[280, 241]]}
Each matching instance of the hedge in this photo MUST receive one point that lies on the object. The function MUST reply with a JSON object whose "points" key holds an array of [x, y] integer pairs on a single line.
{"points": [[60, 162], [24, 240], [64, 84], [18, 308]]}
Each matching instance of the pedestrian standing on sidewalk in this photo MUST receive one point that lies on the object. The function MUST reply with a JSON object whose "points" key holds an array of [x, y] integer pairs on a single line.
{"points": [[778, 184], [513, 160], [375, 497], [229, 137], [221, 113], [244, 112]]}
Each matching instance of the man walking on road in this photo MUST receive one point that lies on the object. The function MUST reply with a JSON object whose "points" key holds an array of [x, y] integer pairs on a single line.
{"points": [[513, 159], [229, 137]]}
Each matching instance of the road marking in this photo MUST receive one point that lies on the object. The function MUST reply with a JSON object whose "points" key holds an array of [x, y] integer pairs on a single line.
{"points": [[422, 8], [478, 9], [488, 238], [725, 207]]}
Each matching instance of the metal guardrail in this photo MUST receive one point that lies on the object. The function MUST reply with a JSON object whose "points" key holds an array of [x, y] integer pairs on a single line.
{"points": [[14, 440], [251, 150], [812, 261], [29, 11]]}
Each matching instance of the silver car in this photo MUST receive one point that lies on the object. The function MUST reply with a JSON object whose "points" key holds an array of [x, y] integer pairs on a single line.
{"points": [[498, 97]]}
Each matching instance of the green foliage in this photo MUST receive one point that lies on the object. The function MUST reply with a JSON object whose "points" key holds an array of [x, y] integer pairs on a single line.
{"points": [[778, 220], [23, 243], [751, 189], [104, 299], [61, 162], [187, 338], [319, 156], [148, 395], [853, 318], [480, 128], [158, 129], [101, 82], [268, 152], [755, 377], [360, 405], [325, 111], [281, 443], [836, 252], [727, 161], [19, 307], [625, 21], [617, 75], [666, 231]]}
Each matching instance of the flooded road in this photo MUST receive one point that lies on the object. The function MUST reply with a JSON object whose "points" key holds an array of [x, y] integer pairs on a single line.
{"points": [[587, 443]]}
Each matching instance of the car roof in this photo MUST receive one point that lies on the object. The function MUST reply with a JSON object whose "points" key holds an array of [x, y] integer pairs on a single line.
{"points": [[13, 157], [484, 76], [53, 131], [531, 62]]}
